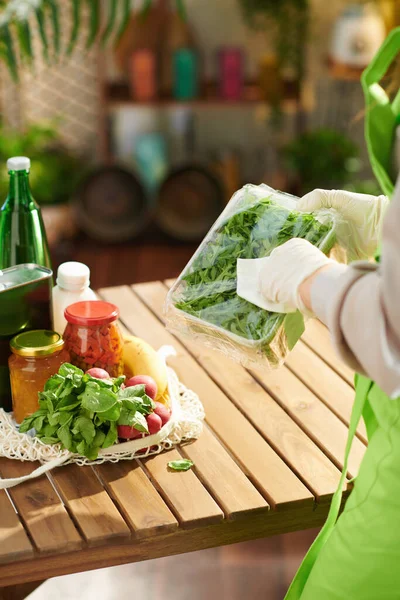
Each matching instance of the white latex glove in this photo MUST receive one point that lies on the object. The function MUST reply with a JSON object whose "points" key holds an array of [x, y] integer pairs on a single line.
{"points": [[273, 283], [362, 218]]}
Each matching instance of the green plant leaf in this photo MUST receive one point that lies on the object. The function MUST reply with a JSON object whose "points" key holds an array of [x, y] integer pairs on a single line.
{"points": [[126, 14], [112, 414], [7, 51], [49, 440], [40, 18], [55, 21], [96, 399], [111, 436], [65, 437], [86, 428], [24, 38], [112, 14], [147, 4], [181, 9], [180, 465], [76, 21], [68, 369], [94, 24]]}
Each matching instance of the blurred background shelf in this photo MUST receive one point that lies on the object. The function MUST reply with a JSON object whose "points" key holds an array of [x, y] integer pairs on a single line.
{"points": [[119, 95]]}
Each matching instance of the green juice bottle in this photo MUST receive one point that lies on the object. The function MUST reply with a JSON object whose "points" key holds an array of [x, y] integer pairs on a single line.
{"points": [[22, 233]]}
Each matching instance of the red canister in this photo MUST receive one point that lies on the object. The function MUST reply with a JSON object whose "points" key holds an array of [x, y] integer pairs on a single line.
{"points": [[231, 66], [143, 75]]}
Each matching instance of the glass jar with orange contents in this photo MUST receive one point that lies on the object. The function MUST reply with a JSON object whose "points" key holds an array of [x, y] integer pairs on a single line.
{"points": [[92, 336], [36, 356]]}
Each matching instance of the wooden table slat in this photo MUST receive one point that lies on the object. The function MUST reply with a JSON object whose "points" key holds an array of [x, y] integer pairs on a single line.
{"points": [[317, 337], [332, 389], [14, 542], [183, 491], [313, 416], [43, 513], [91, 506], [228, 484], [136, 497], [320, 475], [258, 460]]}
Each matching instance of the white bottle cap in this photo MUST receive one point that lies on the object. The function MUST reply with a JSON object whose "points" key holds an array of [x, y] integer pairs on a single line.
{"points": [[18, 163], [73, 276]]}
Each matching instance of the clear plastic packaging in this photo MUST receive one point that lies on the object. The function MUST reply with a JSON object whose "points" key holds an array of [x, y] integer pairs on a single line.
{"points": [[203, 302]]}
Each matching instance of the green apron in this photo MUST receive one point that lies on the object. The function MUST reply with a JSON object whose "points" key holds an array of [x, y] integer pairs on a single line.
{"points": [[357, 556]]}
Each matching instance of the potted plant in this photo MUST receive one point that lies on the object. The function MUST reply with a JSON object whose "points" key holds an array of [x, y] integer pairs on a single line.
{"points": [[287, 21], [323, 158]]}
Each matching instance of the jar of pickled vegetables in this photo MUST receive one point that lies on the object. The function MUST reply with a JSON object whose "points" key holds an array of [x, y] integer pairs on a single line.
{"points": [[36, 356], [92, 336]]}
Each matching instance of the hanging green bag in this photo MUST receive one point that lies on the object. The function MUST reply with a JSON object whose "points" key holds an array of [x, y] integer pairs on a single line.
{"points": [[356, 557]]}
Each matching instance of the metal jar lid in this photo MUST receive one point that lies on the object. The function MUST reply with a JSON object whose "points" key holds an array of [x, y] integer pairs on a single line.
{"points": [[36, 343]]}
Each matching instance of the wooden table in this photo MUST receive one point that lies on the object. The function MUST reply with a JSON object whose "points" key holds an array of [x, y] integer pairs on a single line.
{"points": [[267, 462]]}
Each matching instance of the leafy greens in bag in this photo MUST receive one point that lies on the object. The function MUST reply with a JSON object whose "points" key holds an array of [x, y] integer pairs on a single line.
{"points": [[203, 302]]}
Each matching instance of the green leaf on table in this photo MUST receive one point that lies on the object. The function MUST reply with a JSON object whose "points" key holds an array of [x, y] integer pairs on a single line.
{"points": [[180, 465], [97, 399]]}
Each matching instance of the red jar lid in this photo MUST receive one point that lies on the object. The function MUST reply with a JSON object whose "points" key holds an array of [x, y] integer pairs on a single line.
{"points": [[91, 312]]}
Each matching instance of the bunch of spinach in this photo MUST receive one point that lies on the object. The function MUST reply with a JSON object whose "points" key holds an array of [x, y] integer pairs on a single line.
{"points": [[82, 413], [209, 290]]}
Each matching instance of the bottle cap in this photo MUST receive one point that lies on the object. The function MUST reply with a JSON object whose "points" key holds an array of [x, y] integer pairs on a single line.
{"points": [[91, 313], [73, 276], [18, 163], [36, 343]]}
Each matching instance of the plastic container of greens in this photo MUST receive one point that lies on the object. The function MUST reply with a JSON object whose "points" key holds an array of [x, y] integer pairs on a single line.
{"points": [[203, 303]]}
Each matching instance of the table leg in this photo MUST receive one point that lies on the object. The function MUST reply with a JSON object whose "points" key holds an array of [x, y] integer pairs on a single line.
{"points": [[20, 591]]}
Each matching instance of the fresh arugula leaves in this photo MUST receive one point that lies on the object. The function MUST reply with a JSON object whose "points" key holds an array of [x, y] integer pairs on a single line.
{"points": [[180, 465], [209, 290], [82, 413]]}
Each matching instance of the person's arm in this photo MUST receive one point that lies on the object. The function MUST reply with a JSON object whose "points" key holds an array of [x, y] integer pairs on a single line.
{"points": [[361, 306]]}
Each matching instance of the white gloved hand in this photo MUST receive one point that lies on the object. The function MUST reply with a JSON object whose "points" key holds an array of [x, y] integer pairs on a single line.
{"points": [[273, 283], [361, 226]]}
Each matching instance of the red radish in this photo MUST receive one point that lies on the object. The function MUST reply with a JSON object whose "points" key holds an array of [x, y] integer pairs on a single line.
{"points": [[154, 423], [98, 373], [148, 382], [163, 412], [127, 432]]}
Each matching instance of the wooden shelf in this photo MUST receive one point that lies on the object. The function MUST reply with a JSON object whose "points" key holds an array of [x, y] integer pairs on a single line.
{"points": [[343, 72], [118, 94]]}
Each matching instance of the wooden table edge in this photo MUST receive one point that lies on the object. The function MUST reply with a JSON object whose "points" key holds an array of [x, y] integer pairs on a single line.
{"points": [[255, 526]]}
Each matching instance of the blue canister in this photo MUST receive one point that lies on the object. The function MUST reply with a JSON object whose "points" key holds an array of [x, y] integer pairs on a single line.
{"points": [[185, 74]]}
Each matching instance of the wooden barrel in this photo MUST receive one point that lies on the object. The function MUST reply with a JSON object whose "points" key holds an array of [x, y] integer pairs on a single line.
{"points": [[111, 205], [189, 201]]}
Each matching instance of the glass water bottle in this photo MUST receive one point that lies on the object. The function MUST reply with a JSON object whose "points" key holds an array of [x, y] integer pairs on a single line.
{"points": [[22, 233]]}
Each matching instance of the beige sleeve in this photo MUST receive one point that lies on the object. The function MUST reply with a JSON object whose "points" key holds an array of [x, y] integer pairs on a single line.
{"points": [[361, 306]]}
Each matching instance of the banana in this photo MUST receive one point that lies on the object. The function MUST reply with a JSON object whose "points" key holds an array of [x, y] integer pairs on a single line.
{"points": [[141, 359]]}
